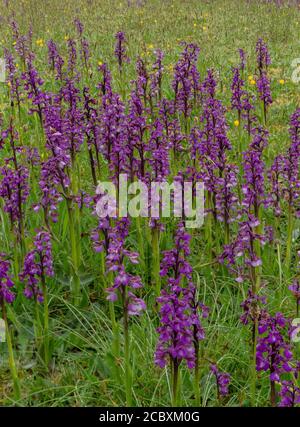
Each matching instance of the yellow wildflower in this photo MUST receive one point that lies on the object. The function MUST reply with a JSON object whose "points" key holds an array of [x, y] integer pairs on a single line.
{"points": [[40, 42]]}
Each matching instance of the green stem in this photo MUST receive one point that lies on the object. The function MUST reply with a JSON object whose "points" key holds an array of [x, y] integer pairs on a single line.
{"points": [[257, 270], [156, 259], [16, 263], [208, 229], [141, 244], [46, 324], [289, 238], [278, 248], [175, 375], [240, 144], [12, 364], [108, 279], [273, 394], [240, 159], [279, 264], [197, 376], [227, 233], [115, 331], [75, 289], [128, 374], [256, 281], [102, 270], [37, 325], [253, 362]]}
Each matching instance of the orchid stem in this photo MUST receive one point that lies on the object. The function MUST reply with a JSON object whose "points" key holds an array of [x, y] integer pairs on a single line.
{"points": [[75, 289], [46, 325], [128, 373], [197, 376], [289, 238], [175, 375], [156, 259]]}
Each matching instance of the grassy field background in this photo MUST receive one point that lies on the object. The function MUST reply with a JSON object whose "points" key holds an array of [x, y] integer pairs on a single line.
{"points": [[220, 28]]}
